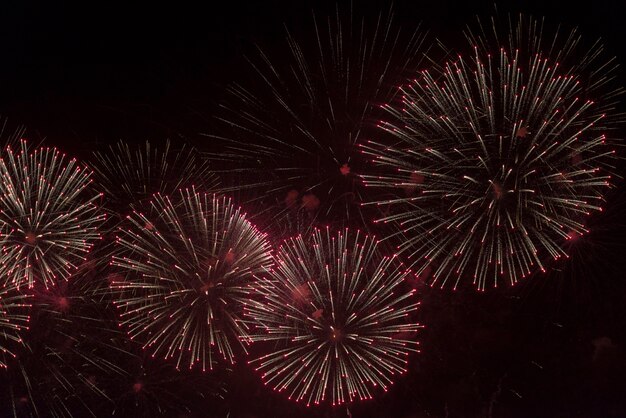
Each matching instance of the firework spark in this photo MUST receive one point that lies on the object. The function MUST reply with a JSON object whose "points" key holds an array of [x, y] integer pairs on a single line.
{"points": [[292, 135], [14, 320], [55, 371], [48, 219], [187, 263], [128, 174], [150, 387], [498, 156], [340, 311]]}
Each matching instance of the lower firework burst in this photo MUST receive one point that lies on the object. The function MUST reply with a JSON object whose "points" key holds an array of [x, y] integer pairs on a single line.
{"points": [[187, 263], [48, 218], [339, 311]]}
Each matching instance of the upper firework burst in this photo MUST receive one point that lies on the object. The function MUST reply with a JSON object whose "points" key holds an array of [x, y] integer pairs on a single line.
{"points": [[291, 133], [340, 315], [48, 218], [498, 155], [188, 261]]}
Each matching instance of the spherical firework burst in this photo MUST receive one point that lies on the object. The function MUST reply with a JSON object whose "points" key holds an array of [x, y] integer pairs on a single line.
{"points": [[128, 174], [498, 156], [14, 319], [187, 262], [340, 312], [292, 134], [48, 219]]}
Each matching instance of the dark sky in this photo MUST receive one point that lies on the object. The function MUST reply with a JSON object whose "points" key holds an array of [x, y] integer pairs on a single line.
{"points": [[97, 71], [100, 71]]}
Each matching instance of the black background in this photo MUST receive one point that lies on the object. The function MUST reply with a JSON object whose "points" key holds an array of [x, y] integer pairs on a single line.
{"points": [[90, 73], [101, 71]]}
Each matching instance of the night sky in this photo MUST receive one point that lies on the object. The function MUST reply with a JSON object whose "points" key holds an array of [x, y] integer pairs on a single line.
{"points": [[88, 74]]}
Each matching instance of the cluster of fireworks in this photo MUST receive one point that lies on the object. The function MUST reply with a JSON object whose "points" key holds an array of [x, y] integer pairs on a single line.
{"points": [[476, 167]]}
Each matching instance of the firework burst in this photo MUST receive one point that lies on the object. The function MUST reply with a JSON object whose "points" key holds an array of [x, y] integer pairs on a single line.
{"points": [[187, 262], [291, 136], [48, 219], [498, 156], [340, 312]]}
